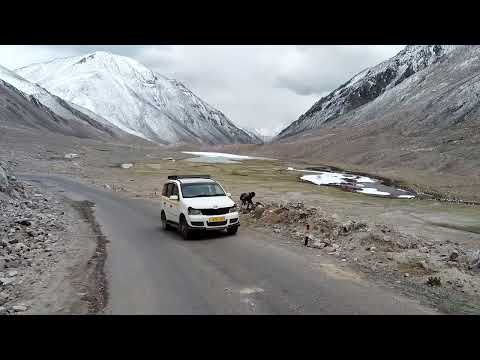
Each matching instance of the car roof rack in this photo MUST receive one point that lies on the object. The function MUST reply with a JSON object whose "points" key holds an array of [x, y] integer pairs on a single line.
{"points": [[177, 177]]}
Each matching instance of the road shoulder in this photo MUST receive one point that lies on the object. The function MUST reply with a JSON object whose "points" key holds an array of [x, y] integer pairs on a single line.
{"points": [[49, 254]]}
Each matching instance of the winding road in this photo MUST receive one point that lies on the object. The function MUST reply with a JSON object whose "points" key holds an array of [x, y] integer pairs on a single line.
{"points": [[155, 272]]}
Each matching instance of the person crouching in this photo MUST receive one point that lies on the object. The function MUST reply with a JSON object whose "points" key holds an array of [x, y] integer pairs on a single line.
{"points": [[247, 200]]}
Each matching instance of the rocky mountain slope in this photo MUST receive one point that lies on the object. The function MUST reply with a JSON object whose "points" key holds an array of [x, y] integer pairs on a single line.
{"points": [[367, 86], [136, 99], [26, 104]]}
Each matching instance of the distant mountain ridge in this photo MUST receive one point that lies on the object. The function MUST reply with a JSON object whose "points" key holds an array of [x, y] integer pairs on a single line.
{"points": [[367, 85], [258, 134]]}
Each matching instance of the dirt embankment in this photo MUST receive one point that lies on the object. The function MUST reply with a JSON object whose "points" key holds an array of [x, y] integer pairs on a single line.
{"points": [[443, 273], [51, 254]]}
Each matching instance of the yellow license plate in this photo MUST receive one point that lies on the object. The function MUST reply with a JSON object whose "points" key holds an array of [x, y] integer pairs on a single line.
{"points": [[216, 219]]}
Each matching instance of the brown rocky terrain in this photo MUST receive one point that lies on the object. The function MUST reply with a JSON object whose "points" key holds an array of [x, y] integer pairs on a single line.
{"points": [[421, 238]]}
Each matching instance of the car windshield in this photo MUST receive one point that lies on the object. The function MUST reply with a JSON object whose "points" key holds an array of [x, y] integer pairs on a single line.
{"points": [[201, 190]]}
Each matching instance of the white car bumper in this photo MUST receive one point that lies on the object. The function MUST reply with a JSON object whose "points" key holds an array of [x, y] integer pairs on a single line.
{"points": [[204, 221]]}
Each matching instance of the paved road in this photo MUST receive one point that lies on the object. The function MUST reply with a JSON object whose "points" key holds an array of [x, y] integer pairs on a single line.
{"points": [[156, 272]]}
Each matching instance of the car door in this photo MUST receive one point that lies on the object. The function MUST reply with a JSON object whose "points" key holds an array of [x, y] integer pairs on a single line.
{"points": [[175, 209], [166, 202]]}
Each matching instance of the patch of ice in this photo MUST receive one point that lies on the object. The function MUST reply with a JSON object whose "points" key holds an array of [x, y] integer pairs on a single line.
{"points": [[372, 191], [325, 178], [216, 154], [357, 178], [360, 179], [406, 196]]}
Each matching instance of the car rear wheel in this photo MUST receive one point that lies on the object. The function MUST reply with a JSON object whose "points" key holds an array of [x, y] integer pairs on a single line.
{"points": [[165, 225], [184, 229]]}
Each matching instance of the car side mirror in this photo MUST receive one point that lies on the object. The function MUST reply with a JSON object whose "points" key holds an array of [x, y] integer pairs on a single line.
{"points": [[229, 194], [173, 197]]}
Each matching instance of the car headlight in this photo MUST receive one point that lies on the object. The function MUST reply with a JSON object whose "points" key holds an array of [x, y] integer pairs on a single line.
{"points": [[194, 211], [233, 208]]}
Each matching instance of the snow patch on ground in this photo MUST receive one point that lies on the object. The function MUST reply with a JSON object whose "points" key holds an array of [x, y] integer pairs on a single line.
{"points": [[324, 179], [372, 191], [406, 196], [360, 179], [217, 154], [216, 157], [356, 183], [330, 177]]}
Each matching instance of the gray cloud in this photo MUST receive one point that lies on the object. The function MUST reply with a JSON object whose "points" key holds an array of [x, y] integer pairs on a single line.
{"points": [[265, 87]]}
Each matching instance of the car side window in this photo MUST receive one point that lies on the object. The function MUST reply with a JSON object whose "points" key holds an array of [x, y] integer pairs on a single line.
{"points": [[169, 189], [165, 190], [175, 189]]}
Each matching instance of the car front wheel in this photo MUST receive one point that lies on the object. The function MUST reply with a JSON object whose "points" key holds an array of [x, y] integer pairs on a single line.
{"points": [[165, 225], [184, 229], [232, 230]]}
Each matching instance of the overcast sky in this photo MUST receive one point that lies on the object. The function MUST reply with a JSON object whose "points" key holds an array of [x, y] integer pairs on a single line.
{"points": [[264, 87]]}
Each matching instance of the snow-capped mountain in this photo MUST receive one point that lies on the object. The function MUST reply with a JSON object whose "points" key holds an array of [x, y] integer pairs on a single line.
{"points": [[135, 99], [43, 110], [367, 86], [255, 133]]}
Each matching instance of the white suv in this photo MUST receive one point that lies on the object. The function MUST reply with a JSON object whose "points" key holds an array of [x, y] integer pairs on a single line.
{"points": [[196, 202]]}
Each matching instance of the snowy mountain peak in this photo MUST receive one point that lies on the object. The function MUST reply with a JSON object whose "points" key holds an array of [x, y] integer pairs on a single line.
{"points": [[94, 63], [101, 60], [135, 99], [368, 85]]}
